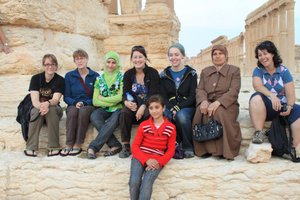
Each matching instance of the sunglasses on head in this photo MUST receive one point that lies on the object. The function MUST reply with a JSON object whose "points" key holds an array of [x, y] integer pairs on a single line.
{"points": [[139, 47]]}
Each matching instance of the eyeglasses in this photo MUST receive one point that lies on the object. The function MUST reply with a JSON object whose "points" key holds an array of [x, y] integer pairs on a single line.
{"points": [[50, 65], [139, 47]]}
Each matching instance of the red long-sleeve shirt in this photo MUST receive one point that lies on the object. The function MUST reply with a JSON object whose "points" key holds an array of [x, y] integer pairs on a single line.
{"points": [[152, 142]]}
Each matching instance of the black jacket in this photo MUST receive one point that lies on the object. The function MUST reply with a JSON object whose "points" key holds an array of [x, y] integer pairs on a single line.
{"points": [[184, 96], [151, 80]]}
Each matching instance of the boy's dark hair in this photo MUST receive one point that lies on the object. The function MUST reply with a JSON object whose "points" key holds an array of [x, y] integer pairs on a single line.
{"points": [[155, 98], [271, 48]]}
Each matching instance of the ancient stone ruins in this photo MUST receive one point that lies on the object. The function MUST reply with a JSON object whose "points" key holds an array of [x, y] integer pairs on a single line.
{"points": [[38, 27]]}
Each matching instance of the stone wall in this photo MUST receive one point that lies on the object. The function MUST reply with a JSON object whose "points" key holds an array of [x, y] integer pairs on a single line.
{"points": [[235, 53], [297, 57], [272, 21], [35, 28], [156, 28]]}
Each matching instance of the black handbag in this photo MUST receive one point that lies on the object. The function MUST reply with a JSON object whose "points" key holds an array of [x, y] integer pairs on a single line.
{"points": [[210, 131]]}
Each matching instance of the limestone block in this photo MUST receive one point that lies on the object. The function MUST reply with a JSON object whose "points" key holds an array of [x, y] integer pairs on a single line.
{"points": [[130, 6], [259, 152], [30, 45], [81, 17]]}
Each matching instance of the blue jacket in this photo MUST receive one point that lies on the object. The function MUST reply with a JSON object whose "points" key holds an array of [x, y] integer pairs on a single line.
{"points": [[74, 90]]}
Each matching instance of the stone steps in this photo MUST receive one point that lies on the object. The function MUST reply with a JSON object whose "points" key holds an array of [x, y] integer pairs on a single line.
{"points": [[67, 178]]}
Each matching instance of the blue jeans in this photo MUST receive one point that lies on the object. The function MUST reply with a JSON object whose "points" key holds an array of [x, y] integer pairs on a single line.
{"points": [[105, 123], [183, 121], [140, 187]]}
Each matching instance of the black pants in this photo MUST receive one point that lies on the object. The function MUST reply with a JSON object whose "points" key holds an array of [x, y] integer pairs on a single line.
{"points": [[127, 118]]}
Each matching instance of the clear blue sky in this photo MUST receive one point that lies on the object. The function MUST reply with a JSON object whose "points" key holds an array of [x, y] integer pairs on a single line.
{"points": [[204, 20]]}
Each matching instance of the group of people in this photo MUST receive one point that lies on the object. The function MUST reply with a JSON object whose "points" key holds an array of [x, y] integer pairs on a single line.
{"points": [[166, 106]]}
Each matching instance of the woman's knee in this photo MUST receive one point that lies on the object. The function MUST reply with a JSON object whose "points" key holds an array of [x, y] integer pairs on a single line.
{"points": [[183, 117], [72, 111], [257, 99]]}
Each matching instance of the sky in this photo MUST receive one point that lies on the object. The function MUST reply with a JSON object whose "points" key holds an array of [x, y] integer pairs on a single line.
{"points": [[204, 20]]}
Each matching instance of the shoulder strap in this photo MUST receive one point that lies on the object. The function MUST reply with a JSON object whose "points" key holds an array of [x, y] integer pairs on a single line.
{"points": [[85, 87]]}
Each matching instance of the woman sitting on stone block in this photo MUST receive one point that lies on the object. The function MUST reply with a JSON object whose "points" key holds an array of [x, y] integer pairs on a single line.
{"points": [[217, 97], [140, 82], [46, 89], [79, 87], [178, 84], [275, 93], [108, 90]]}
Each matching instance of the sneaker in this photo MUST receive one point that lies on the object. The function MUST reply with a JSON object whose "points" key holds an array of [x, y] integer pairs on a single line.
{"points": [[125, 153], [189, 154], [258, 137]]}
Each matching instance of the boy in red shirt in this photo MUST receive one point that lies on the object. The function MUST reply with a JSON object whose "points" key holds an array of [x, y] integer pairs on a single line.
{"points": [[152, 148]]}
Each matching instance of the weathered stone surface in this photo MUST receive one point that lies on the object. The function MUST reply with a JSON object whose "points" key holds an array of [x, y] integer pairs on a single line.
{"points": [[259, 152], [63, 16], [78, 178], [58, 177], [156, 28], [34, 28], [28, 51]]}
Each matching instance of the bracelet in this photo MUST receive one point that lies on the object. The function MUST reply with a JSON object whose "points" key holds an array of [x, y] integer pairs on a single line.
{"points": [[49, 102], [5, 44]]}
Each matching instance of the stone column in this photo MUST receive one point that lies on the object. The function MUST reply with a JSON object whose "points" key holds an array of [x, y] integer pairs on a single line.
{"points": [[113, 7], [171, 4], [290, 60], [275, 27], [282, 46], [130, 6], [156, 1]]}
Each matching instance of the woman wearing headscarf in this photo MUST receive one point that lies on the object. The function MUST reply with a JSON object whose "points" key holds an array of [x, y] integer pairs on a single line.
{"points": [[217, 97], [108, 90]]}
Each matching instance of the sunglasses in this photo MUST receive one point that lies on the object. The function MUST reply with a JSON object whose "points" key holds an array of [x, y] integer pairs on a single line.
{"points": [[139, 47]]}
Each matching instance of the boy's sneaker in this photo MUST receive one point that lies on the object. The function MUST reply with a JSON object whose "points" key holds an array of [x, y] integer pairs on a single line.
{"points": [[258, 137], [126, 152]]}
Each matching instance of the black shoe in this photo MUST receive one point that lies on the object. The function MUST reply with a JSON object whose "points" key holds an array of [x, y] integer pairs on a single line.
{"points": [[91, 154], [125, 153], [206, 155], [113, 152], [188, 154]]}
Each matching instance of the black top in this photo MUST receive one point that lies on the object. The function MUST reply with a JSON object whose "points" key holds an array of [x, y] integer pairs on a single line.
{"points": [[46, 90], [184, 96], [151, 81]]}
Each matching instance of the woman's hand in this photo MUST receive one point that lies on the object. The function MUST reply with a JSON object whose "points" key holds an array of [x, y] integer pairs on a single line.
{"points": [[44, 108], [152, 164], [287, 112], [276, 104], [173, 114], [131, 105], [79, 104], [140, 112], [100, 97], [204, 106], [213, 107]]}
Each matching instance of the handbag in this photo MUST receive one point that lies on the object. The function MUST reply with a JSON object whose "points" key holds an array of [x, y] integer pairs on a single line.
{"points": [[210, 131], [179, 153]]}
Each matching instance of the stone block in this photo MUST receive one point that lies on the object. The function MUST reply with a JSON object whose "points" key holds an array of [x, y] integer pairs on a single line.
{"points": [[259, 152]]}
